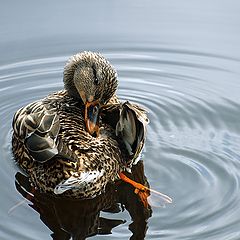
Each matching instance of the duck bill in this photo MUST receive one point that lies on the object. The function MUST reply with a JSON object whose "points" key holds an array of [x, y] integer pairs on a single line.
{"points": [[92, 116]]}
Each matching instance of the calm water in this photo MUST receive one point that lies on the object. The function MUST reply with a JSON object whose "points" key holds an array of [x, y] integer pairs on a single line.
{"points": [[179, 59]]}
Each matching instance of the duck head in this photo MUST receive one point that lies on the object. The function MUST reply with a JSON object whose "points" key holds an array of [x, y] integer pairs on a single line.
{"points": [[90, 78]]}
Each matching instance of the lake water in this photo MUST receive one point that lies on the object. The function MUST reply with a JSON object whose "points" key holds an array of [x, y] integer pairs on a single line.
{"points": [[179, 59]]}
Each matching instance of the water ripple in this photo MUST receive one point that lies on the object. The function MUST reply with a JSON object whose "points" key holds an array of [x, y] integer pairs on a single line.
{"points": [[192, 149]]}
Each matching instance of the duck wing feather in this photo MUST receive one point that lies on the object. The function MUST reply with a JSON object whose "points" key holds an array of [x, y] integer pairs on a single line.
{"points": [[129, 121], [38, 129]]}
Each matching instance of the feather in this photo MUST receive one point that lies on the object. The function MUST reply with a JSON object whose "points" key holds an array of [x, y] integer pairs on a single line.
{"points": [[38, 130], [131, 127], [79, 182]]}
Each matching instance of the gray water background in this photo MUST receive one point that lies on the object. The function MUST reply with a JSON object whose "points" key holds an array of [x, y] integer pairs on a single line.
{"points": [[179, 59]]}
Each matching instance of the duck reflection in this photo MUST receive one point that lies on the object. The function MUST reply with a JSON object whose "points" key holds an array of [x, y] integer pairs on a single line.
{"points": [[78, 219]]}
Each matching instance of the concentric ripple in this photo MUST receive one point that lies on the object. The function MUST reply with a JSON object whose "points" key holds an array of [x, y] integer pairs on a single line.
{"points": [[191, 152], [192, 148]]}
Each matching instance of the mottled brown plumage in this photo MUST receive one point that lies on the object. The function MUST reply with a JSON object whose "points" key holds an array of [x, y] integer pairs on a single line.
{"points": [[52, 144]]}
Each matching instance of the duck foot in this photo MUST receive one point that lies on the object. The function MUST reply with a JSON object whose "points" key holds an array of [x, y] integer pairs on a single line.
{"points": [[142, 191]]}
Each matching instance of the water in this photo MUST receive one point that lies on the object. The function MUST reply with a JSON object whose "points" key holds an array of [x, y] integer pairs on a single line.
{"points": [[179, 59]]}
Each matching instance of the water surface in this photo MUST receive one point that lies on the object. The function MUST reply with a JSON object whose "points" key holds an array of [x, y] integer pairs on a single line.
{"points": [[180, 60]]}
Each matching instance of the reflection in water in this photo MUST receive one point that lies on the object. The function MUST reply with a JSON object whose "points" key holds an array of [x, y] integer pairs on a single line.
{"points": [[77, 219]]}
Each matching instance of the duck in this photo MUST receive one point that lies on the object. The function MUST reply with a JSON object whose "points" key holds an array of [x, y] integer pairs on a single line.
{"points": [[75, 141]]}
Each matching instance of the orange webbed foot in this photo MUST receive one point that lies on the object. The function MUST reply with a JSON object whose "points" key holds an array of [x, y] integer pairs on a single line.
{"points": [[144, 192]]}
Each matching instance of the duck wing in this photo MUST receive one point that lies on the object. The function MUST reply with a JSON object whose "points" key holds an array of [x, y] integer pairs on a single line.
{"points": [[131, 127], [37, 128], [129, 121]]}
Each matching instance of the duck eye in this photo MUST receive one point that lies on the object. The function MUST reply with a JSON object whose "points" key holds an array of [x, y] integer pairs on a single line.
{"points": [[96, 81]]}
